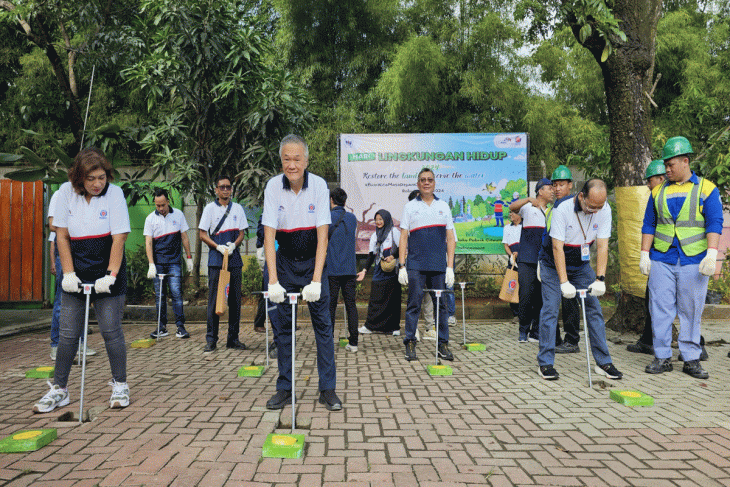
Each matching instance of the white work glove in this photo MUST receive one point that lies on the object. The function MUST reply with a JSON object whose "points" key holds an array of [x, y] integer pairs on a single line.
{"points": [[568, 290], [312, 292], [223, 249], [708, 264], [70, 282], [598, 288], [538, 272], [403, 276], [231, 247], [511, 260], [261, 256], [449, 277], [189, 263], [277, 293], [103, 284], [152, 271], [645, 262]]}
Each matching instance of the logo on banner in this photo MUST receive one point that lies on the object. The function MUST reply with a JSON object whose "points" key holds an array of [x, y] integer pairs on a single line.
{"points": [[102, 215], [311, 208]]}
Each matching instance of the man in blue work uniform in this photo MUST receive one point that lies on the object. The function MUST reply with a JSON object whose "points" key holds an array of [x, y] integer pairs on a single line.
{"points": [[165, 233], [427, 245], [221, 228], [681, 231], [565, 266], [297, 216]]}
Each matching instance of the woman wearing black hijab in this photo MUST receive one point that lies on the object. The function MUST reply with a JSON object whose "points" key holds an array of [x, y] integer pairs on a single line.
{"points": [[384, 308]]}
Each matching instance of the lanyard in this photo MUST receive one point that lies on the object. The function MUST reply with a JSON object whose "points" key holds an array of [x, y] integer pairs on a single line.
{"points": [[585, 239]]}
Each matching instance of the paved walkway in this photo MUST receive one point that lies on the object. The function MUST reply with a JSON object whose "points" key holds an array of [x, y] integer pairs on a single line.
{"points": [[192, 421]]}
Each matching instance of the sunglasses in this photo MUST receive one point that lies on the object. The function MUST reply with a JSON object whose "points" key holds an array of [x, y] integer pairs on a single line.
{"points": [[225, 187]]}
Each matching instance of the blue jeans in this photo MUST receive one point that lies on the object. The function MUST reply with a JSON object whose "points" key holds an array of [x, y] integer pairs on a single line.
{"points": [[173, 279], [450, 301], [417, 281], [581, 278]]}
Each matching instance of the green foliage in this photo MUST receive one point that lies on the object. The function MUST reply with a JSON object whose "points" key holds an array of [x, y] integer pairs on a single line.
{"points": [[139, 288], [251, 276]]}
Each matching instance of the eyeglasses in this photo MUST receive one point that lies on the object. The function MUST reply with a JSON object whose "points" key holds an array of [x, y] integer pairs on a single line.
{"points": [[225, 187], [427, 180]]}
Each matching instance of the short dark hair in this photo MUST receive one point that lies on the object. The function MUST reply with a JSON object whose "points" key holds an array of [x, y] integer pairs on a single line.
{"points": [[593, 183], [423, 170], [339, 196], [160, 192], [219, 177], [413, 195], [87, 160]]}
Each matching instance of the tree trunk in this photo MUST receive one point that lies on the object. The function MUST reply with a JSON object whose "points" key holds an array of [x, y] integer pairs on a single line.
{"points": [[627, 76]]}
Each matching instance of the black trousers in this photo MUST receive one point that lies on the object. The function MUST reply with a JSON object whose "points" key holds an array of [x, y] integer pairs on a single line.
{"points": [[348, 284], [530, 298], [571, 322]]}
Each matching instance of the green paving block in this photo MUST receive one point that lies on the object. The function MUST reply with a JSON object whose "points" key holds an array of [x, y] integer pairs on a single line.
{"points": [[143, 343], [283, 446], [344, 342], [475, 347], [632, 398], [251, 371], [27, 440], [439, 370], [40, 373]]}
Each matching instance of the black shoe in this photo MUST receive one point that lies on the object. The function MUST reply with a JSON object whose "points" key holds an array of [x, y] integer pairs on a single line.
{"points": [[640, 347], [209, 347], [330, 400], [163, 333], [279, 400], [272, 350], [411, 351], [444, 352], [548, 372], [694, 369], [182, 332], [703, 355], [659, 365], [236, 345], [609, 370], [567, 347]]}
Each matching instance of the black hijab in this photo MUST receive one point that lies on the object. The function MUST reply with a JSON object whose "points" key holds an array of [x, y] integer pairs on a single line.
{"points": [[382, 233]]}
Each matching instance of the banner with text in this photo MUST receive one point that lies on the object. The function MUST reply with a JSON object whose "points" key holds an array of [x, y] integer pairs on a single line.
{"points": [[478, 175]]}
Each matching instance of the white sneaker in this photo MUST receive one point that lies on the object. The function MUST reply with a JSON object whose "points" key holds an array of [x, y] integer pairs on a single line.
{"points": [[53, 353], [418, 335], [452, 320], [55, 398], [90, 352], [396, 333], [430, 335], [364, 330], [351, 348], [120, 395]]}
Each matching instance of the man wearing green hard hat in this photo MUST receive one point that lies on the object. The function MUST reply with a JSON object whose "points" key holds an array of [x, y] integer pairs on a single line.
{"points": [[682, 226]]}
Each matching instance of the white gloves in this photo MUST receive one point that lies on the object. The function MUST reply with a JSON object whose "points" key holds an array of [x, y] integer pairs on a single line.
{"points": [[231, 247], [312, 291], [261, 256], [538, 272], [511, 260], [708, 264], [189, 263], [598, 288], [449, 277], [645, 262], [103, 284], [152, 271], [70, 282], [568, 290], [403, 276], [277, 293], [223, 249]]}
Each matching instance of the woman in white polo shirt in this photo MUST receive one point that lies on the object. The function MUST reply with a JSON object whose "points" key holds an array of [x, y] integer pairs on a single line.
{"points": [[92, 224]]}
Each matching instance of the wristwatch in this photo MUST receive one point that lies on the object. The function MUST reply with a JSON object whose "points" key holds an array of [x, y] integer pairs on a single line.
{"points": [[600, 278]]}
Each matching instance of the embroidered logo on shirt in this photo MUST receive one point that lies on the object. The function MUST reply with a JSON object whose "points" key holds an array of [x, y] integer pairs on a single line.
{"points": [[281, 208], [102, 215], [595, 226], [311, 208]]}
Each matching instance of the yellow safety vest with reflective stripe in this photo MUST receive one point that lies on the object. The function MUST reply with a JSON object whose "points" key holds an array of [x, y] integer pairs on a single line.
{"points": [[689, 227]]}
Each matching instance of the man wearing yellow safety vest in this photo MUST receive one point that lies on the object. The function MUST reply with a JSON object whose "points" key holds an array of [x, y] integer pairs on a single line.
{"points": [[681, 230]]}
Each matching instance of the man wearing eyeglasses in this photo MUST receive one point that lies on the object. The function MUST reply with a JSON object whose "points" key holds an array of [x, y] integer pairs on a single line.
{"points": [[222, 228], [565, 265], [427, 245]]}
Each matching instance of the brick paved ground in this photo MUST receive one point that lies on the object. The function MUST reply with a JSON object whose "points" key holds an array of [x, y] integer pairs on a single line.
{"points": [[192, 421]]}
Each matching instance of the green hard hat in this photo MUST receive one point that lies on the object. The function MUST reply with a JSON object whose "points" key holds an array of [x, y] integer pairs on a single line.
{"points": [[562, 172], [676, 146], [655, 168]]}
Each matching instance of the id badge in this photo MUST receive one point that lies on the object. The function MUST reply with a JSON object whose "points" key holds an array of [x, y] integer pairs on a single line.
{"points": [[585, 252]]}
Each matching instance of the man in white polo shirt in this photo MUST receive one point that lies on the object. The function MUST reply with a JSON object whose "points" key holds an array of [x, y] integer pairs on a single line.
{"points": [[221, 228], [427, 245], [165, 234], [297, 216], [565, 265]]}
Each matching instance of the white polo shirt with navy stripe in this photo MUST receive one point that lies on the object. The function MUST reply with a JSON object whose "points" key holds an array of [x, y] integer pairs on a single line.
{"points": [[166, 232], [427, 226], [296, 216], [91, 226], [533, 226], [574, 228], [228, 232]]}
